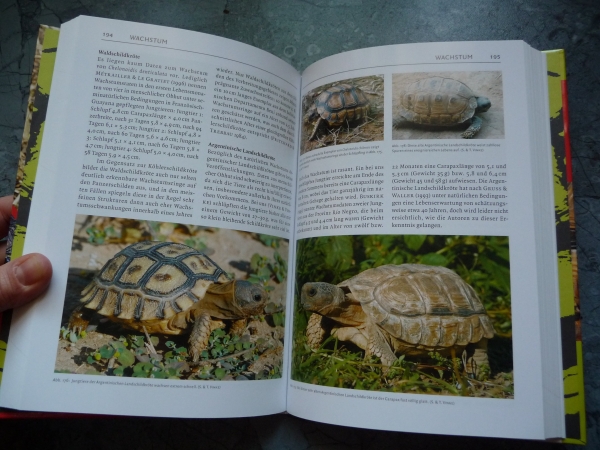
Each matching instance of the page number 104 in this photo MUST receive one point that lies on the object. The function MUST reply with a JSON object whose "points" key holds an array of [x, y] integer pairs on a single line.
{"points": [[107, 35]]}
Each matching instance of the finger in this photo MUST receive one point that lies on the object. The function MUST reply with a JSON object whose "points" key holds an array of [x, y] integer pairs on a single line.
{"points": [[23, 280], [2, 252], [5, 211]]}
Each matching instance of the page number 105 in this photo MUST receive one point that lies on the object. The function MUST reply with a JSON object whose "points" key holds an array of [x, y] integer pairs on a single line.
{"points": [[107, 35], [494, 56]]}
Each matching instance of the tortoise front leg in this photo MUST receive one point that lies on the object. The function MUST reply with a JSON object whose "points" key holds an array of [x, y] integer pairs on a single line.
{"points": [[203, 326], [354, 335], [473, 129], [315, 331], [238, 327]]}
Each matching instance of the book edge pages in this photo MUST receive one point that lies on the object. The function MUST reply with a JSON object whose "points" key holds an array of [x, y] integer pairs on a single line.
{"points": [[572, 354], [39, 90]]}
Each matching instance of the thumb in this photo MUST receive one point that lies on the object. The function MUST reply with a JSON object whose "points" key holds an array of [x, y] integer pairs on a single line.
{"points": [[23, 279]]}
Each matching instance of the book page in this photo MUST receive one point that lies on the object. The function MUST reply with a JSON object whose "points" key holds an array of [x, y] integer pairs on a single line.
{"points": [[416, 302], [164, 201]]}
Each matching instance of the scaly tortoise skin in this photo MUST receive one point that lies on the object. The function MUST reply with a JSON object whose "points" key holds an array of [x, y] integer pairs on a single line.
{"points": [[168, 288], [441, 102], [336, 105], [409, 309]]}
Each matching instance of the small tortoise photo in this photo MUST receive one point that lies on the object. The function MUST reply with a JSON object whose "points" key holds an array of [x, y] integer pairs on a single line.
{"points": [[172, 289], [408, 309], [440, 102], [337, 105]]}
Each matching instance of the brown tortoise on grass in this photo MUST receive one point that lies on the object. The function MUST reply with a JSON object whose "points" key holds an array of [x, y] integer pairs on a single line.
{"points": [[408, 309], [169, 288], [337, 105], [441, 102]]}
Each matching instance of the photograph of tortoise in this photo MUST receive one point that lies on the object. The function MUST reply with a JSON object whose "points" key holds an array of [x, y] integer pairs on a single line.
{"points": [[154, 299], [343, 112], [337, 105], [408, 309], [433, 107], [172, 289]]}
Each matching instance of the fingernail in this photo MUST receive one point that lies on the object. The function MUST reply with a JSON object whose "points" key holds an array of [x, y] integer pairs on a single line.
{"points": [[29, 270]]}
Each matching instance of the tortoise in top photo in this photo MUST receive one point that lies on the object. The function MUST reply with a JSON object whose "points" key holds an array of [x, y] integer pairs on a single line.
{"points": [[169, 288], [408, 309], [336, 105], [440, 102]]}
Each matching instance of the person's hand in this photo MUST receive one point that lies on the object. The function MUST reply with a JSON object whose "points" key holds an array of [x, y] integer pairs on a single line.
{"points": [[25, 278]]}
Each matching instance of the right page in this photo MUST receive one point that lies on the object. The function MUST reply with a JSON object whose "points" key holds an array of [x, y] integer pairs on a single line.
{"points": [[425, 295]]}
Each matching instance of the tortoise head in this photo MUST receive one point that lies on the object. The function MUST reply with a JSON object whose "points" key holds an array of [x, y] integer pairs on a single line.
{"points": [[321, 297], [249, 298], [483, 104]]}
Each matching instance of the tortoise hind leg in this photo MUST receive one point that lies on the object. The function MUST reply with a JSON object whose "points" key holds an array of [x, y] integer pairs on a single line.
{"points": [[476, 360], [400, 122], [473, 129], [379, 346], [318, 125], [77, 321]]}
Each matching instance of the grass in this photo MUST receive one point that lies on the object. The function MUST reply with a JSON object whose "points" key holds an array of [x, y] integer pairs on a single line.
{"points": [[336, 364]]}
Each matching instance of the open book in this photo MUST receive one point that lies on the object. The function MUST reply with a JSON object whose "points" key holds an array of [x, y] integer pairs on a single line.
{"points": [[381, 241]]}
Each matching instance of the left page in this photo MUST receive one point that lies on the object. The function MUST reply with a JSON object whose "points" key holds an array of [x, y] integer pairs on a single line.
{"points": [[163, 199]]}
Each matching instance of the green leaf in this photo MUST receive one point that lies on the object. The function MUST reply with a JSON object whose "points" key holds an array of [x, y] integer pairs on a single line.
{"points": [[434, 259], [414, 241], [159, 374], [137, 341], [142, 367], [255, 262], [220, 373], [106, 352], [279, 319], [118, 346], [254, 279], [338, 252], [499, 273], [126, 358], [264, 272]]}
